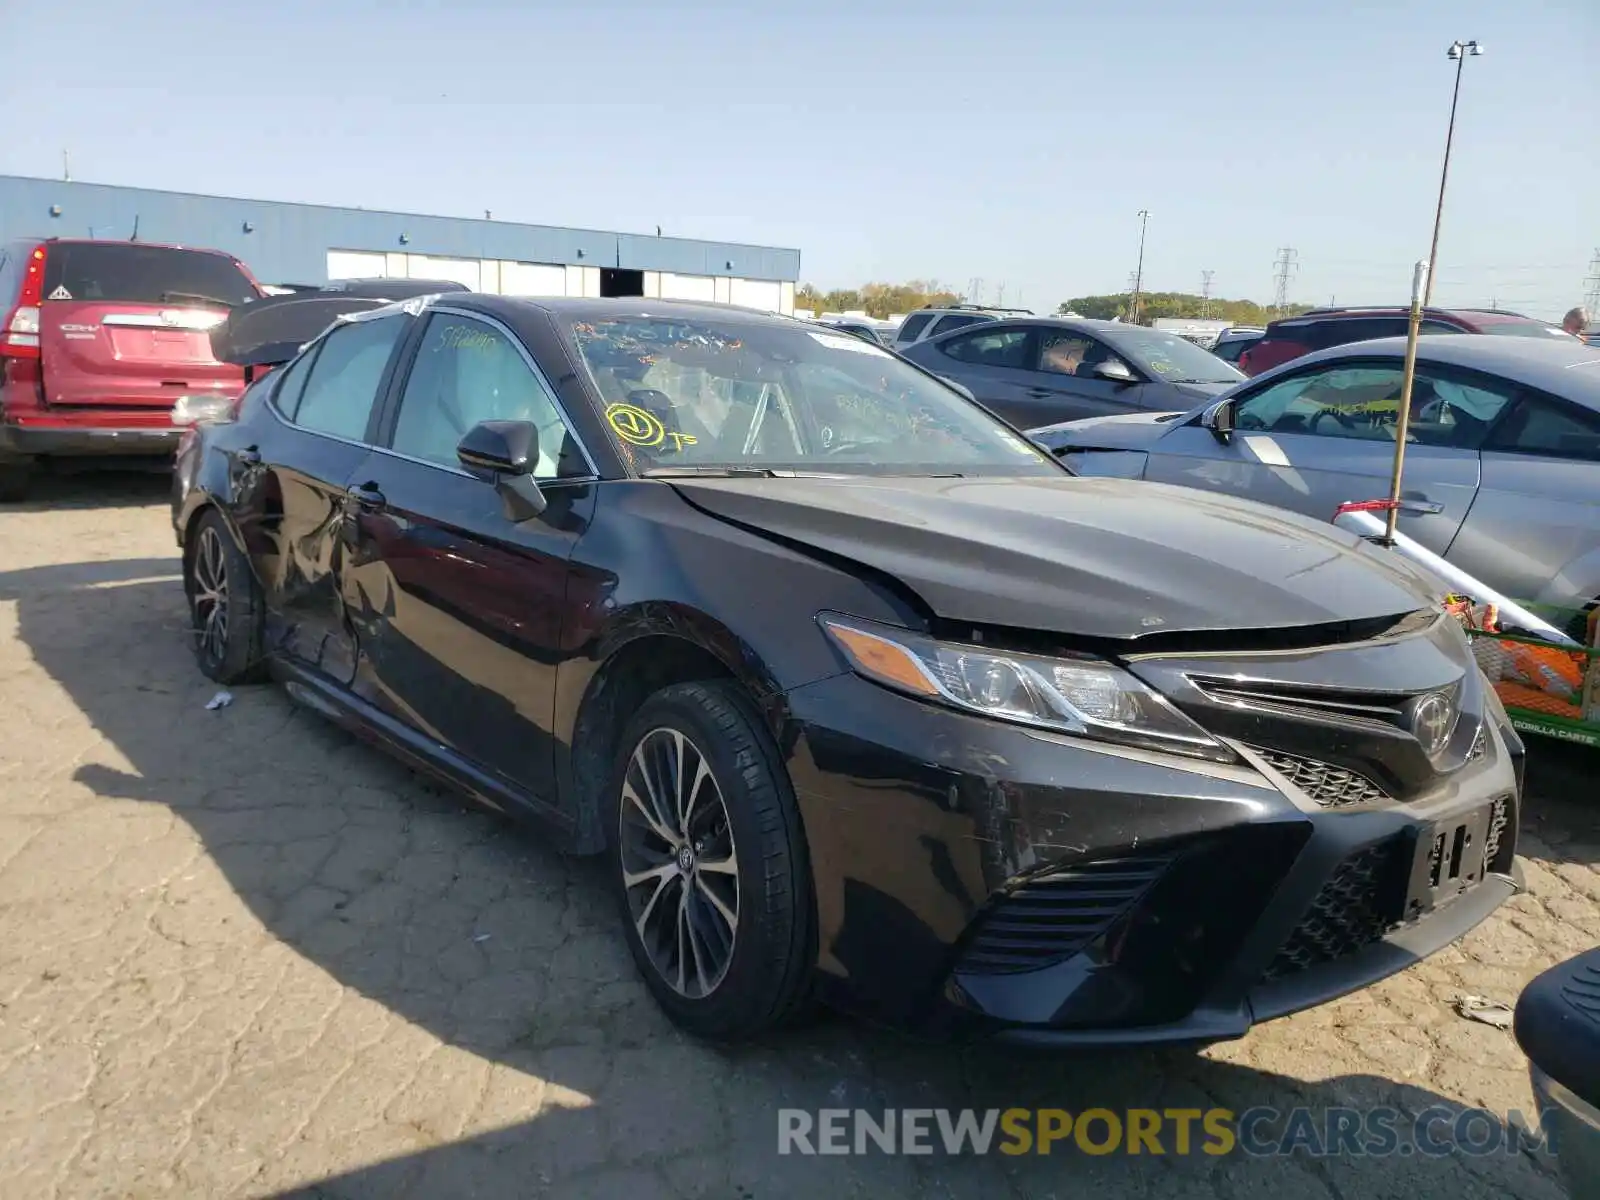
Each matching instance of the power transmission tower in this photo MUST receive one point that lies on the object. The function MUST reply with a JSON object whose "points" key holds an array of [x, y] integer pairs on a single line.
{"points": [[975, 290], [1591, 296], [1205, 294], [1000, 297], [1283, 267]]}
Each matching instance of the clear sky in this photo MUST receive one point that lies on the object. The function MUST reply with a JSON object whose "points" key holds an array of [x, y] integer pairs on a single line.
{"points": [[1007, 141]]}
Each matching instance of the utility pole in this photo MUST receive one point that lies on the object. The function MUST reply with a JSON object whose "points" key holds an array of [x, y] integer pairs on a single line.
{"points": [[1591, 295], [1283, 266], [1133, 284], [1205, 294], [1138, 275], [1460, 52], [66, 167]]}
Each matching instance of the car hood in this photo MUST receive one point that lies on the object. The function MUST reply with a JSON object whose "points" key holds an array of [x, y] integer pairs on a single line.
{"points": [[1130, 431], [1096, 558]]}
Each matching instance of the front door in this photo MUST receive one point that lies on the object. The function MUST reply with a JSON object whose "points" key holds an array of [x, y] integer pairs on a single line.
{"points": [[458, 608], [1324, 436], [290, 501]]}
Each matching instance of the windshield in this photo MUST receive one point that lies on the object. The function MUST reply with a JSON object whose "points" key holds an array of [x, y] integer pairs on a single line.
{"points": [[1169, 357], [703, 395]]}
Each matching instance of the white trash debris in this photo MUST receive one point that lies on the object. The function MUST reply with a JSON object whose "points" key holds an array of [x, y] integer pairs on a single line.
{"points": [[1481, 1008], [220, 700]]}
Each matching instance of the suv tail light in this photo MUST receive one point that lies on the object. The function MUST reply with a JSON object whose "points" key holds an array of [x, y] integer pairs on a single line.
{"points": [[19, 338]]}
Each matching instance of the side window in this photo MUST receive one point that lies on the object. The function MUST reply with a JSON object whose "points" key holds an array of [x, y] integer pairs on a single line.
{"points": [[990, 348], [912, 326], [466, 372], [1363, 402], [1431, 326], [291, 383], [951, 323], [343, 383], [1066, 352], [1551, 429]]}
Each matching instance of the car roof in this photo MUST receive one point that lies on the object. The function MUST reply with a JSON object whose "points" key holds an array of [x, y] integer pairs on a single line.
{"points": [[1569, 369], [592, 308], [77, 241]]}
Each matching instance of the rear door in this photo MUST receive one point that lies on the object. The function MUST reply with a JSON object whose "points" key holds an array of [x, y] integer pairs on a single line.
{"points": [[1534, 532], [1320, 437], [291, 495], [992, 363], [1060, 384], [125, 325]]}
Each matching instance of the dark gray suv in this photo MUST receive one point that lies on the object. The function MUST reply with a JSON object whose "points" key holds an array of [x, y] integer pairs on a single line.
{"points": [[1040, 370]]}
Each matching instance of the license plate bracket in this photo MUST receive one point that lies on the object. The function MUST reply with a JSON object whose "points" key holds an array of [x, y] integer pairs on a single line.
{"points": [[1449, 858]]}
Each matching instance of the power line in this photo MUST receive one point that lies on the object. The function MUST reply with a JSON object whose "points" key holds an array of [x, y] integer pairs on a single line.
{"points": [[1205, 294], [1283, 266]]}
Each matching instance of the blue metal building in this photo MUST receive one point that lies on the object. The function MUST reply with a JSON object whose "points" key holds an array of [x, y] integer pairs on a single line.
{"points": [[308, 243]]}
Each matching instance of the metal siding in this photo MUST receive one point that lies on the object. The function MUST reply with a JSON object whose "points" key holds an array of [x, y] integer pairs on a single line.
{"points": [[288, 243]]}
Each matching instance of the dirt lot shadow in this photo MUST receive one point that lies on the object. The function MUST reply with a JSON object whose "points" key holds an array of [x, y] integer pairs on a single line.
{"points": [[472, 931], [94, 487]]}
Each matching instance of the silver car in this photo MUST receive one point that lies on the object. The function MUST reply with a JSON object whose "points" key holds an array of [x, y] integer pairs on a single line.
{"points": [[1502, 466]]}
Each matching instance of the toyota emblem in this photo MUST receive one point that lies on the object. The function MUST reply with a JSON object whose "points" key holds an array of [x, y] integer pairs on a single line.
{"points": [[1433, 721]]}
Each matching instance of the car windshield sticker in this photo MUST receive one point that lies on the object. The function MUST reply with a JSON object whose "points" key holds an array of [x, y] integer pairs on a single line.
{"points": [[843, 341], [635, 425], [61, 293]]}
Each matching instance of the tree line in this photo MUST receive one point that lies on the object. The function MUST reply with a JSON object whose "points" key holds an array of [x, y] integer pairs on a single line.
{"points": [[882, 300]]}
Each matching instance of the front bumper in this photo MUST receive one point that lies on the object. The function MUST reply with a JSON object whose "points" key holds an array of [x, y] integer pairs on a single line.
{"points": [[980, 879]]}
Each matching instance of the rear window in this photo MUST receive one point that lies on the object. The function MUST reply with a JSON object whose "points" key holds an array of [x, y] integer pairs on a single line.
{"points": [[1536, 329], [135, 274], [913, 326]]}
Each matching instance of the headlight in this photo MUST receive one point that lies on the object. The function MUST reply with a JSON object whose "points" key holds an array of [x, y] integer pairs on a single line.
{"points": [[1081, 695]]}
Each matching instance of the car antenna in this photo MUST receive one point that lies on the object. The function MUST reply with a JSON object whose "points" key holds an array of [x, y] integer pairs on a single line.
{"points": [[134, 236]]}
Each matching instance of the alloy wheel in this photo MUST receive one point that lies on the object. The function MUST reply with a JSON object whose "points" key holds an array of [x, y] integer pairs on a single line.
{"points": [[680, 872], [211, 595]]}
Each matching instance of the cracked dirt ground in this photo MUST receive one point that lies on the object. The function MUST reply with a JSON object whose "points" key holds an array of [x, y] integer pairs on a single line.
{"points": [[242, 955]]}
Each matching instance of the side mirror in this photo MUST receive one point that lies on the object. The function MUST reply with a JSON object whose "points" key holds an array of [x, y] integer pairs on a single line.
{"points": [[958, 388], [507, 450], [1220, 421], [1114, 371]]}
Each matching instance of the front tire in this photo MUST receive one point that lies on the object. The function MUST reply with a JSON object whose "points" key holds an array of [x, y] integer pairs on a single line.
{"points": [[226, 612], [709, 864]]}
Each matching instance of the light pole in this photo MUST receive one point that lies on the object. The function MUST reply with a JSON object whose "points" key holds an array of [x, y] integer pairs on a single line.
{"points": [[1138, 276], [1459, 52]]}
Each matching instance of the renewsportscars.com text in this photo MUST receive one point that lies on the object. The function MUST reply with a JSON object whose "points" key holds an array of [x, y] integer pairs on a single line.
{"points": [[1258, 1132]]}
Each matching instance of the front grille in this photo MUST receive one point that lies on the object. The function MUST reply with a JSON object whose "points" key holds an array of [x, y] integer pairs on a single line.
{"points": [[1350, 913], [1327, 785], [1051, 917]]}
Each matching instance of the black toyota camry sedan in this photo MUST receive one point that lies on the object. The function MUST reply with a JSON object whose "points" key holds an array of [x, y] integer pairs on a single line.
{"points": [[862, 697]]}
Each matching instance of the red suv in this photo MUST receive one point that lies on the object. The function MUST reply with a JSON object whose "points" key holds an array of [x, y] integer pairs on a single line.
{"points": [[1324, 327], [105, 348]]}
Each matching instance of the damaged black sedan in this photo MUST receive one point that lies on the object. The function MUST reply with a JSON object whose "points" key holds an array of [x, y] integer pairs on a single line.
{"points": [[863, 697]]}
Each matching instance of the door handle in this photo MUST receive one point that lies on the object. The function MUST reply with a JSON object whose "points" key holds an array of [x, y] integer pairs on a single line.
{"points": [[1420, 507], [1040, 393], [365, 497]]}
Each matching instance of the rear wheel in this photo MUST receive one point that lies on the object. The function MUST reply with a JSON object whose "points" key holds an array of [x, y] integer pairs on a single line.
{"points": [[14, 481], [709, 864], [225, 606]]}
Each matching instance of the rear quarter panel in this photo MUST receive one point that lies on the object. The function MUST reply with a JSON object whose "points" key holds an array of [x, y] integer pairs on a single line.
{"points": [[1534, 530]]}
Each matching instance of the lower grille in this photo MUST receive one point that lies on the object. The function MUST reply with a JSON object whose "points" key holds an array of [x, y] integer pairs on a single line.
{"points": [[1353, 910], [1051, 917], [1327, 785]]}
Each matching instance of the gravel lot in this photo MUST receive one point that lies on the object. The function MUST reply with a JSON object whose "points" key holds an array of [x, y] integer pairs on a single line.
{"points": [[243, 955]]}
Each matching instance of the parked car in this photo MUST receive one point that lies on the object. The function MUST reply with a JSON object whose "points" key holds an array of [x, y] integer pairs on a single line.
{"points": [[103, 347], [862, 696], [1324, 327], [1047, 369], [878, 335], [1502, 469], [1557, 1024], [931, 322], [1231, 343]]}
